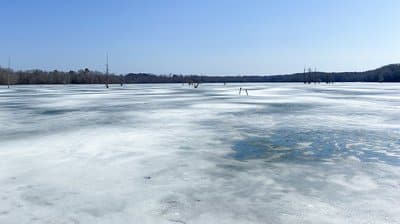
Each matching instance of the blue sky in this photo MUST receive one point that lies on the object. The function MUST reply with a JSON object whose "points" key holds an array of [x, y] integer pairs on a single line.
{"points": [[203, 37]]}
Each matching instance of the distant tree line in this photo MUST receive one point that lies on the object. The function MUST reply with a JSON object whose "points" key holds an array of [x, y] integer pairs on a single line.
{"points": [[388, 73], [83, 76]]}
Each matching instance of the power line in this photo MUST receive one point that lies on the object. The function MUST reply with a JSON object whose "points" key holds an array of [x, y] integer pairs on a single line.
{"points": [[8, 72], [107, 70]]}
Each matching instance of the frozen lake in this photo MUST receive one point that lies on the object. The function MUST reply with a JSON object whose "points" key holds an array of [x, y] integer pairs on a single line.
{"points": [[287, 153]]}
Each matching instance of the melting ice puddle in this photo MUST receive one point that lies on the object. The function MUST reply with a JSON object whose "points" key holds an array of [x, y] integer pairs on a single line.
{"points": [[324, 145]]}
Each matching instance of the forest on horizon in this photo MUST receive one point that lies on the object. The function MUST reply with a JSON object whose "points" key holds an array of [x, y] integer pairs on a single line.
{"points": [[388, 73]]}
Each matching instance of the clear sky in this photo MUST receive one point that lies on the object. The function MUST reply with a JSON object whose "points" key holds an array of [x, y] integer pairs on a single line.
{"points": [[202, 37]]}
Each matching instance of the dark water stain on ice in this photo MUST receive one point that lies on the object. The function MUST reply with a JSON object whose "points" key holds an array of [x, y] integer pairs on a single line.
{"points": [[288, 107], [321, 145], [176, 221], [56, 111], [4, 213]]}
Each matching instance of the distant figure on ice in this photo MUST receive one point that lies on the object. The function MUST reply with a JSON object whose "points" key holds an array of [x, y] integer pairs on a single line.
{"points": [[245, 90]]}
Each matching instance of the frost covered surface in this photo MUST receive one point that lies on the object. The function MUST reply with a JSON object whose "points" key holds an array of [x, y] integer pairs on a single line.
{"points": [[288, 153]]}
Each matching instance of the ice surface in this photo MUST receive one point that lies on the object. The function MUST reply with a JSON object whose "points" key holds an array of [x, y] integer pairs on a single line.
{"points": [[287, 153]]}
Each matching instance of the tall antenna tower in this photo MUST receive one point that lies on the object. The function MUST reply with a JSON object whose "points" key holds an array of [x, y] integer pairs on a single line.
{"points": [[8, 72], [107, 71]]}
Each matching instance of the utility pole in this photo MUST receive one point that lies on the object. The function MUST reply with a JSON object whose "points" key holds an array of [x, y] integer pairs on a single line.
{"points": [[8, 72], [107, 71]]}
